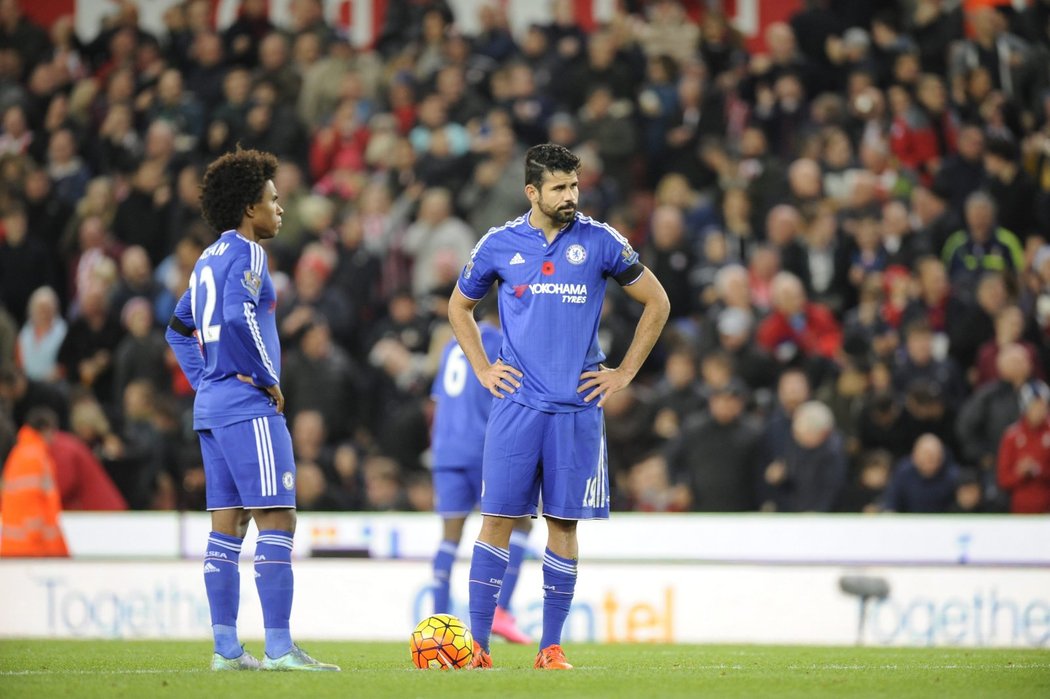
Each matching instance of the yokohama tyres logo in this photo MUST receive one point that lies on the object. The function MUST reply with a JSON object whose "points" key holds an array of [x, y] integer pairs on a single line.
{"points": [[570, 293]]}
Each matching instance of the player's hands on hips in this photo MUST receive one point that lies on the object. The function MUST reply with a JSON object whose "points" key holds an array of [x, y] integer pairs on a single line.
{"points": [[274, 391], [602, 383], [500, 379]]}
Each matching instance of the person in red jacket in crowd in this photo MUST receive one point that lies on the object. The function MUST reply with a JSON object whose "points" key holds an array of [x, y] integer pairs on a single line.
{"points": [[82, 481], [1024, 453], [795, 326]]}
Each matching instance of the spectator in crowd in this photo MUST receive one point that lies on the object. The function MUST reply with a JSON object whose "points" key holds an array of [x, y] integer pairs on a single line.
{"points": [[82, 481], [632, 430], [810, 475], [1023, 463], [924, 482], [140, 354], [990, 40], [935, 219], [68, 172], [647, 487], [1013, 190], [982, 246], [46, 217], [136, 280], [319, 376], [793, 389], [961, 173], [985, 416], [677, 396], [969, 495], [42, 337], [671, 254], [19, 394], [917, 362], [438, 242], [751, 363], [608, 125], [86, 354], [973, 322], [718, 455], [865, 488], [847, 396], [311, 294], [25, 264], [141, 217], [1009, 329], [798, 331], [494, 192]]}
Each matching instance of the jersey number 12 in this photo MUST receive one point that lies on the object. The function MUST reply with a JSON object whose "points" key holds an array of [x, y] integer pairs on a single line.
{"points": [[208, 332]]}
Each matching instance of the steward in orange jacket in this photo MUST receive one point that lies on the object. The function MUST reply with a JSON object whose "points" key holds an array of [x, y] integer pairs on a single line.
{"points": [[30, 503]]}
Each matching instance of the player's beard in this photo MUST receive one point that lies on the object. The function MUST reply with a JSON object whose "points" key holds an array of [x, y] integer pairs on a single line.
{"points": [[560, 216]]}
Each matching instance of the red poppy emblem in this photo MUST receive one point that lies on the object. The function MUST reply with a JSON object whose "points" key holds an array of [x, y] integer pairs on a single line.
{"points": [[548, 268]]}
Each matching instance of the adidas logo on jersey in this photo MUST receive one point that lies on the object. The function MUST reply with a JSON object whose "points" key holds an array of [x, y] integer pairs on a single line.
{"points": [[209, 567], [517, 259]]}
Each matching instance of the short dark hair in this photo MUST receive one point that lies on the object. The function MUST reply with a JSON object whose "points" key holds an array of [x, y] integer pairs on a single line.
{"points": [[233, 183], [42, 419], [548, 157]]}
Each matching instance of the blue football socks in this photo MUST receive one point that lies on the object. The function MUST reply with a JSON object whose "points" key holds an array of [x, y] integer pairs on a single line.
{"points": [[559, 585], [518, 541], [222, 580], [443, 560], [273, 578], [487, 567]]}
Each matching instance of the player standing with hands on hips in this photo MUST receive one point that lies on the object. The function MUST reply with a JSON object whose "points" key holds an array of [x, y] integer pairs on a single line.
{"points": [[224, 336], [546, 431]]}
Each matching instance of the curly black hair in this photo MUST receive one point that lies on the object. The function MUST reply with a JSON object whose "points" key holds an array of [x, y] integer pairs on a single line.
{"points": [[232, 183], [548, 157]]}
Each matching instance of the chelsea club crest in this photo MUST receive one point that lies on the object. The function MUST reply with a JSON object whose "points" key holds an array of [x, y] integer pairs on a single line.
{"points": [[576, 254]]}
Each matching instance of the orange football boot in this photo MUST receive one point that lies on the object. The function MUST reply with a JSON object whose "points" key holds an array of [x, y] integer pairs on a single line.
{"points": [[552, 658], [481, 660]]}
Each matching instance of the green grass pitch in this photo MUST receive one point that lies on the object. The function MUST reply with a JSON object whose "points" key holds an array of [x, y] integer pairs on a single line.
{"points": [[159, 669]]}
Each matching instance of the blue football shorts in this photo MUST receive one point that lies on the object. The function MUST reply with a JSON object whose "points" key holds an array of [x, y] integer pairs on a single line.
{"points": [[562, 456], [249, 464], [457, 490]]}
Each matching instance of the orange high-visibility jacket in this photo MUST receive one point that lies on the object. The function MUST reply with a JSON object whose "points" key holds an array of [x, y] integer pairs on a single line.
{"points": [[29, 501]]}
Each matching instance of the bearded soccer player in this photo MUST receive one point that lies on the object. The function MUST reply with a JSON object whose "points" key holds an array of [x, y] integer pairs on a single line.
{"points": [[224, 336], [546, 433]]}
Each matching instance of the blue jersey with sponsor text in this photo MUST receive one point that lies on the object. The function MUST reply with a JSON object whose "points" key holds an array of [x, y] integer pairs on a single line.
{"points": [[550, 301], [230, 307], [463, 404]]}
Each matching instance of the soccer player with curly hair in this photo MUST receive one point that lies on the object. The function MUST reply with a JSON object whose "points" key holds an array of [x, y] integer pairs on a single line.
{"points": [[224, 335]]}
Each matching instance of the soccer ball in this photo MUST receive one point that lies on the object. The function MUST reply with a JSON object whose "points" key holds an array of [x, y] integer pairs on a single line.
{"points": [[441, 642]]}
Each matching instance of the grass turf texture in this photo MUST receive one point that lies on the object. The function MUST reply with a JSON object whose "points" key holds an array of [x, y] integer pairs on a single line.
{"points": [[159, 669]]}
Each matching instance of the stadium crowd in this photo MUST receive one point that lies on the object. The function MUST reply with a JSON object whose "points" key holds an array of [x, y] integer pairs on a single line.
{"points": [[853, 228]]}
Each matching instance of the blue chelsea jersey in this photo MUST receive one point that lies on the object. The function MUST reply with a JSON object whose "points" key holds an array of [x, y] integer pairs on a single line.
{"points": [[230, 305], [463, 404], [550, 301]]}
